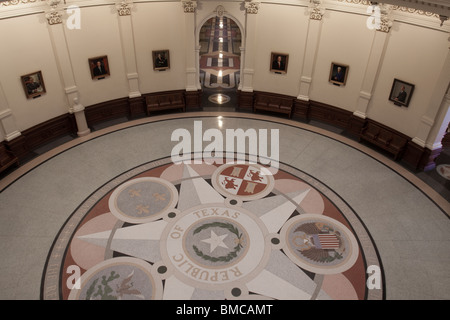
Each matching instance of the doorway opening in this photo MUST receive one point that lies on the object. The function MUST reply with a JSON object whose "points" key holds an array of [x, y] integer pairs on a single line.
{"points": [[220, 62]]}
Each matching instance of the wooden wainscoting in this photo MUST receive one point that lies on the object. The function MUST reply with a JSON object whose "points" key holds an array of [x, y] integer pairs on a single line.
{"points": [[7, 158], [43, 133], [137, 107], [50, 130], [108, 110], [245, 101], [329, 114], [166, 100], [273, 102], [412, 155], [193, 99]]}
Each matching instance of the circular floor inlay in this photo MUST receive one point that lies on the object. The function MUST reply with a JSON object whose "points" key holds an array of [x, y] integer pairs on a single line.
{"points": [[219, 98], [116, 279], [221, 231], [214, 245], [319, 244], [143, 199], [243, 181]]}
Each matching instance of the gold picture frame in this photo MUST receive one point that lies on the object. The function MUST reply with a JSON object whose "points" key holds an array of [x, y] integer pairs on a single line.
{"points": [[279, 62], [99, 67], [161, 60], [338, 74], [33, 84]]}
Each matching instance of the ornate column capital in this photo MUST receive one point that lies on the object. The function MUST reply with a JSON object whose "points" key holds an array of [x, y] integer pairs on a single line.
{"points": [[251, 7], [385, 18], [54, 15], [315, 10], [124, 8], [189, 6]]}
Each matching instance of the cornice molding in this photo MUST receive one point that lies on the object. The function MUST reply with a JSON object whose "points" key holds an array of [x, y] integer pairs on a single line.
{"points": [[17, 2], [415, 16], [403, 8]]}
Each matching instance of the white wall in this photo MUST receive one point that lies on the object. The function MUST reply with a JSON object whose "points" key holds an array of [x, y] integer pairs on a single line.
{"points": [[280, 29], [415, 55], [98, 36], [345, 40], [415, 51], [26, 48], [159, 26]]}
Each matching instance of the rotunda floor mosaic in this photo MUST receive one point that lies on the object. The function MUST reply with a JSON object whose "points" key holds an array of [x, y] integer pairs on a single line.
{"points": [[204, 231]]}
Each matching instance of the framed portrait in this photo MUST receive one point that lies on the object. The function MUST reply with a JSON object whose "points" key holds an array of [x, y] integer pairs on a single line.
{"points": [[279, 62], [33, 84], [161, 60], [99, 67], [338, 74], [401, 92]]}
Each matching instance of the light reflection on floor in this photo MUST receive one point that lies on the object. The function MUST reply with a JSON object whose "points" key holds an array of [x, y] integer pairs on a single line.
{"points": [[219, 98]]}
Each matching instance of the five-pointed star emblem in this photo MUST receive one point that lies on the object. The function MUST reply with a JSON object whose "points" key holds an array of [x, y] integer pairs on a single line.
{"points": [[216, 241]]}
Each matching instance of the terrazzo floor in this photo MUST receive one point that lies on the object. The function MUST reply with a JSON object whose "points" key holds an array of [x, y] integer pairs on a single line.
{"points": [[381, 214]]}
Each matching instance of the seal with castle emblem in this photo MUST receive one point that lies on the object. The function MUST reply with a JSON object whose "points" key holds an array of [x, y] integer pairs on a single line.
{"points": [[246, 181]]}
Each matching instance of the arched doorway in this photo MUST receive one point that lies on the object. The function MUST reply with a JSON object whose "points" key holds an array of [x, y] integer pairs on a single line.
{"points": [[220, 40]]}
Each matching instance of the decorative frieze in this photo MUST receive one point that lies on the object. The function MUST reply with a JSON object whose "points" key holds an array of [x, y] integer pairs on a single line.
{"points": [[17, 2], [251, 7], [189, 6], [394, 7], [417, 11]]}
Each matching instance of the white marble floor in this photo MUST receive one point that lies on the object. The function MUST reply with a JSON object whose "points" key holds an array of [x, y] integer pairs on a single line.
{"points": [[408, 222]]}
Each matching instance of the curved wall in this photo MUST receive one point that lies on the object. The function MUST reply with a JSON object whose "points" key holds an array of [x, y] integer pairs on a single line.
{"points": [[415, 50]]}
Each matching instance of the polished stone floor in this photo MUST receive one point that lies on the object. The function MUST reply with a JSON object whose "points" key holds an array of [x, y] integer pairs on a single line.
{"points": [[407, 219]]}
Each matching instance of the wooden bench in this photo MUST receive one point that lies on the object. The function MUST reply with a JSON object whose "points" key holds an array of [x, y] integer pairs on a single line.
{"points": [[7, 158], [385, 138], [165, 101], [273, 102]]}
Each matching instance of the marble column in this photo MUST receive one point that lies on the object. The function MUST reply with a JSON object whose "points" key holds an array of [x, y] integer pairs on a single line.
{"points": [[241, 67], [190, 54], [57, 36], [314, 28], [251, 9], [197, 66], [7, 123], [380, 38], [439, 101], [13, 138], [126, 34]]}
